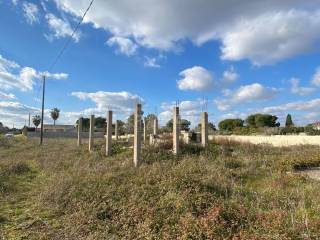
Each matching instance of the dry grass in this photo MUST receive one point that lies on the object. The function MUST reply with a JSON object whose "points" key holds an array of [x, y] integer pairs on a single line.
{"points": [[229, 191]]}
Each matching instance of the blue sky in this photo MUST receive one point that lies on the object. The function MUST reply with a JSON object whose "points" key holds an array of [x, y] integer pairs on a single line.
{"points": [[260, 56]]}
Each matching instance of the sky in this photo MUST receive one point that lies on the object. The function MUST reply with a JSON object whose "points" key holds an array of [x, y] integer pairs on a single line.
{"points": [[227, 58]]}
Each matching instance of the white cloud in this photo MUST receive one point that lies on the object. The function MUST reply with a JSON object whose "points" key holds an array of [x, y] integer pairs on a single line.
{"points": [[15, 113], [13, 76], [124, 45], [189, 110], [304, 111], [6, 64], [316, 78], [120, 102], [272, 37], [18, 114], [57, 76], [4, 95], [246, 94], [61, 28], [296, 89], [30, 12], [15, 2], [151, 62], [196, 78], [295, 106], [230, 76], [261, 31]]}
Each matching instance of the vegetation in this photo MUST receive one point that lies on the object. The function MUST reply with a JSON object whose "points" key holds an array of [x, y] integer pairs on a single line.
{"points": [[230, 124], [36, 120], [184, 125], [229, 191], [55, 113], [289, 122], [262, 120]]}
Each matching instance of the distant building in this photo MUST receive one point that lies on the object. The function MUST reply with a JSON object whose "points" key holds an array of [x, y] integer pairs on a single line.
{"points": [[316, 125], [58, 128]]}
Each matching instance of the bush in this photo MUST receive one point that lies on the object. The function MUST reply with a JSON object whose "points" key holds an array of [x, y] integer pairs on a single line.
{"points": [[230, 124]]}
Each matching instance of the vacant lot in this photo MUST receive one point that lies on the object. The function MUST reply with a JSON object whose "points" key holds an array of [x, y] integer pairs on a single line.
{"points": [[229, 191], [277, 141]]}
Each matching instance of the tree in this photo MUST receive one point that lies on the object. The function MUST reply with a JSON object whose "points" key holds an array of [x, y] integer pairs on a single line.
{"points": [[99, 122], [150, 121], [211, 127], [184, 125], [36, 120], [230, 124], [121, 127], [55, 112], [130, 123], [262, 120], [289, 122]]}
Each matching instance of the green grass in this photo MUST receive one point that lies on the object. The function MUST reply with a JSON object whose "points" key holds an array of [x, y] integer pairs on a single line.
{"points": [[226, 191]]}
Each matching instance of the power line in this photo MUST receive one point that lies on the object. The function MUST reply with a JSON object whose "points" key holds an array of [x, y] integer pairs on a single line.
{"points": [[55, 62], [70, 39]]}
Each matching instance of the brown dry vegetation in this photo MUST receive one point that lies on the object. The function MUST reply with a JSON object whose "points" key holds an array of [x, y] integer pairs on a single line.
{"points": [[229, 191]]}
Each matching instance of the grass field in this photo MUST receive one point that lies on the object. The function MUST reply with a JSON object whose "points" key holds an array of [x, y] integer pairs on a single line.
{"points": [[229, 191]]}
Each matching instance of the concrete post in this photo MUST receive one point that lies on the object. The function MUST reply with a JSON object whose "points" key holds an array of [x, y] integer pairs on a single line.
{"points": [[204, 129], [80, 131], [155, 126], [109, 134], [176, 130], [116, 133], [91, 133], [137, 136], [145, 130]]}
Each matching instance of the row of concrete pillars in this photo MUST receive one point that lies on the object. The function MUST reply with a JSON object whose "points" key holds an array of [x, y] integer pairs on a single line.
{"points": [[137, 132]]}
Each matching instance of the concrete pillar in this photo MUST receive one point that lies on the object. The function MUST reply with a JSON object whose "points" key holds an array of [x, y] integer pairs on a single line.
{"points": [[80, 121], [155, 126], [137, 136], [116, 133], [91, 133], [176, 130], [109, 134], [145, 131], [204, 129]]}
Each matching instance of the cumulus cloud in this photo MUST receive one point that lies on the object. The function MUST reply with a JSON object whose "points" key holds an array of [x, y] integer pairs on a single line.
{"points": [[316, 78], [196, 78], [296, 89], [151, 62], [230, 76], [60, 28], [246, 94], [124, 45], [13, 76], [30, 12], [262, 31], [272, 37], [120, 102]]}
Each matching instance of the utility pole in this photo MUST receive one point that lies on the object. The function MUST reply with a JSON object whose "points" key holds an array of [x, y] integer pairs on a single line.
{"points": [[29, 120], [42, 110]]}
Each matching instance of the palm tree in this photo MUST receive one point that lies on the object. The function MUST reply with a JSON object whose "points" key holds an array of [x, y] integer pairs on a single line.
{"points": [[36, 120], [55, 112]]}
